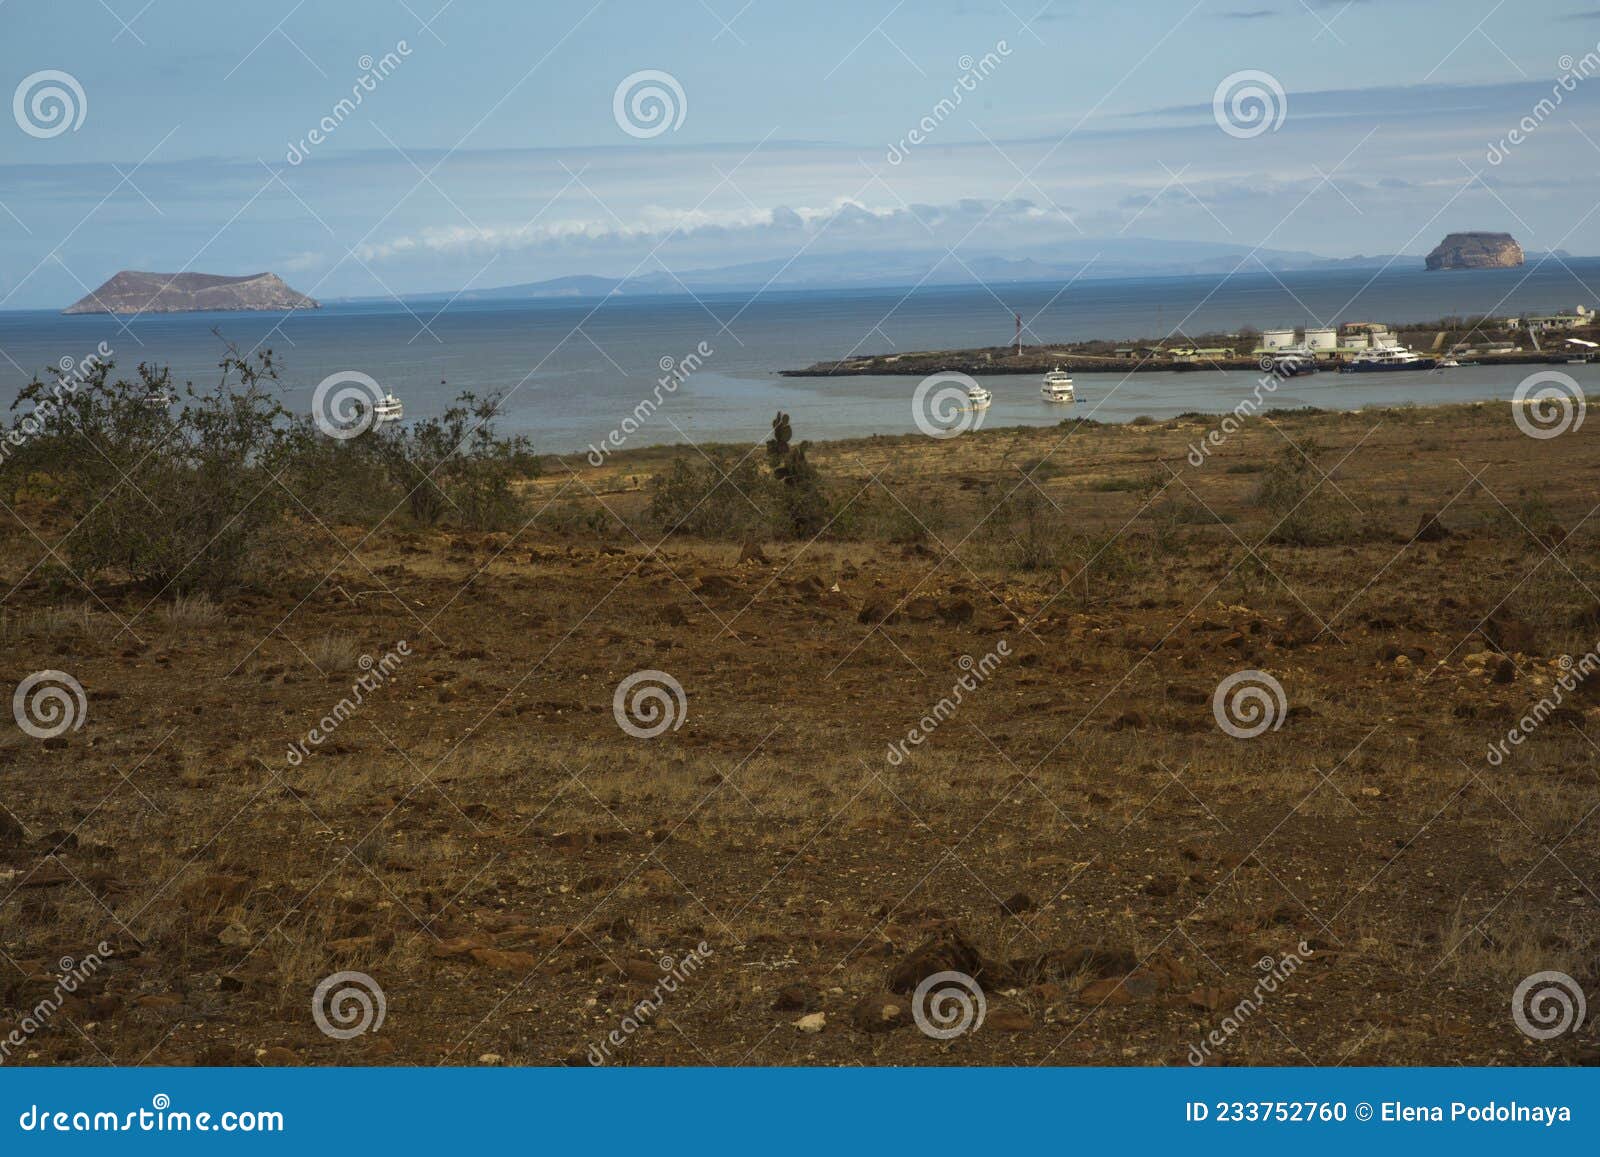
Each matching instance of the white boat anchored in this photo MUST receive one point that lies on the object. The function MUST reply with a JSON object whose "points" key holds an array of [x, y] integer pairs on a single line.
{"points": [[1058, 387], [978, 398], [1388, 358], [387, 409]]}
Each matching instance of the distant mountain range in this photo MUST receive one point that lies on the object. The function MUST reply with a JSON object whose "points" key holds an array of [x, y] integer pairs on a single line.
{"points": [[1086, 259]]}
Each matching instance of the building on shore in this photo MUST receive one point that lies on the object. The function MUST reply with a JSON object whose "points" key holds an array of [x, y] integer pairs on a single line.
{"points": [[1556, 322]]}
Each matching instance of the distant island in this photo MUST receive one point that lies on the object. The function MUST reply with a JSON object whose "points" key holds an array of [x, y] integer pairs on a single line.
{"points": [[1476, 251], [134, 292]]}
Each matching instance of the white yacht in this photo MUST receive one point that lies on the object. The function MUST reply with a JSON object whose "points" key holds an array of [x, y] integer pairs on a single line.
{"points": [[1387, 359], [978, 398], [1058, 386], [387, 409]]}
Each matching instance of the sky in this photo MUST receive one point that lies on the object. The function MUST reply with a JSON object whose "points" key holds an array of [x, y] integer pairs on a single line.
{"points": [[495, 142]]}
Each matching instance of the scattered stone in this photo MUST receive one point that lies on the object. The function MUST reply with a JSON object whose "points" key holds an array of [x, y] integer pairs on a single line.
{"points": [[277, 1057], [751, 552], [878, 610], [1504, 671], [796, 998], [956, 611], [1163, 886], [812, 1022], [1098, 992], [490, 1059], [1389, 652], [1430, 529], [949, 951], [457, 946], [881, 1012], [1008, 1020], [12, 833], [716, 584], [1017, 904], [1509, 634], [504, 961]]}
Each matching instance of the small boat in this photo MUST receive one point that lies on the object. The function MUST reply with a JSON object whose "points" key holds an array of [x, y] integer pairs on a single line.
{"points": [[387, 409], [1448, 363], [1289, 363], [978, 398], [1058, 387], [1387, 359]]}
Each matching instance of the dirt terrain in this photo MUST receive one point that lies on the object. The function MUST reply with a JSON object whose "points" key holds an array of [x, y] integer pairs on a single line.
{"points": [[1076, 832]]}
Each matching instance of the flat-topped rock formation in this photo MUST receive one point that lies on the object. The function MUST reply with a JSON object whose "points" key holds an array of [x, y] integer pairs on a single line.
{"points": [[134, 292], [1476, 251]]}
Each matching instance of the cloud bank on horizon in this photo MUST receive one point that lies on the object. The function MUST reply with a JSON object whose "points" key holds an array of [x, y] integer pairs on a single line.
{"points": [[396, 148]]}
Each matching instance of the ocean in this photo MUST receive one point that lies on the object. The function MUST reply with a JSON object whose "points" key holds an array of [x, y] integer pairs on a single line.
{"points": [[572, 370]]}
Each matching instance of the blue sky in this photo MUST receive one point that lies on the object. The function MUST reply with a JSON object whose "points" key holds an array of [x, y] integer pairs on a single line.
{"points": [[491, 152]]}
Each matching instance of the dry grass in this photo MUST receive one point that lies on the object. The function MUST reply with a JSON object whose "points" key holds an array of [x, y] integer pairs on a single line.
{"points": [[486, 792]]}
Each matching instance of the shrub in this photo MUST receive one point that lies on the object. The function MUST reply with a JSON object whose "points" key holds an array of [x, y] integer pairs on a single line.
{"points": [[781, 497], [182, 501], [1306, 510], [456, 465]]}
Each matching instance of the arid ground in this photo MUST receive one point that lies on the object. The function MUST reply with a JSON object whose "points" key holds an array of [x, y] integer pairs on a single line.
{"points": [[1092, 834]]}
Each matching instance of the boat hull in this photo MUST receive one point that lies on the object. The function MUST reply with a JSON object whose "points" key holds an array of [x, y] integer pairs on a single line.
{"points": [[1403, 367]]}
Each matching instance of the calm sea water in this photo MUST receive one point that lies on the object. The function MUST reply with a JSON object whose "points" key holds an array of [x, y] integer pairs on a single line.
{"points": [[572, 370]]}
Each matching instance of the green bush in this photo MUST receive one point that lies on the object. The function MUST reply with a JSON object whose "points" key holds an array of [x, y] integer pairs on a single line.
{"points": [[456, 466], [180, 500], [782, 496]]}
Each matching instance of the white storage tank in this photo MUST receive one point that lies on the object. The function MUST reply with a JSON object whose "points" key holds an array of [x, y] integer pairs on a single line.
{"points": [[1277, 339], [1322, 340]]}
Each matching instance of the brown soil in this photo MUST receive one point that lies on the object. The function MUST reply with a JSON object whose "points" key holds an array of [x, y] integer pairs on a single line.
{"points": [[1079, 834]]}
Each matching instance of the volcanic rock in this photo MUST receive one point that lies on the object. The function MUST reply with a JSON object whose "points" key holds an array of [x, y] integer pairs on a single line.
{"points": [[133, 292], [1476, 251]]}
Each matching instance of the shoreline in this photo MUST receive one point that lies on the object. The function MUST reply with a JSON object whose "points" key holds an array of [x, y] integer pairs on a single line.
{"points": [[1040, 360]]}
